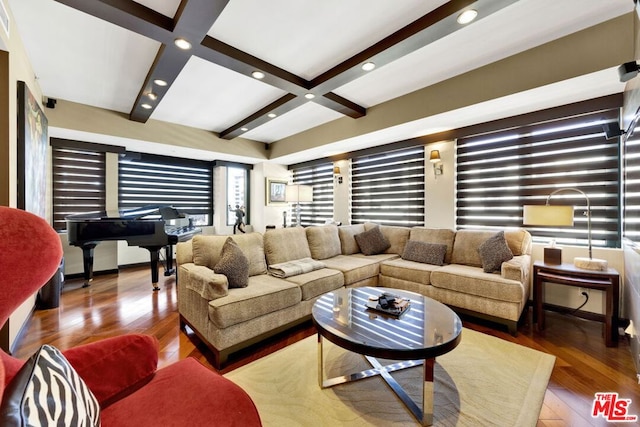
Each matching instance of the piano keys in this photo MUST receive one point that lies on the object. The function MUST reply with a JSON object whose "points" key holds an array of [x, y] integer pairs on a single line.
{"points": [[145, 227]]}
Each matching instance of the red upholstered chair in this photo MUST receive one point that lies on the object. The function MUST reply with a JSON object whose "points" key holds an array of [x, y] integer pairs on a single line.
{"points": [[120, 371]]}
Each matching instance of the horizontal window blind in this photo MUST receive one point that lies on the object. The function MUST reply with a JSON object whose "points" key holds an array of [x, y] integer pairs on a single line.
{"points": [[499, 172], [187, 185], [632, 187], [78, 183], [388, 188], [320, 177]]}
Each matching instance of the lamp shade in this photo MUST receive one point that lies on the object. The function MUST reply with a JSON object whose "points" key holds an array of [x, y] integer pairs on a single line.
{"points": [[299, 193], [434, 156], [555, 215]]}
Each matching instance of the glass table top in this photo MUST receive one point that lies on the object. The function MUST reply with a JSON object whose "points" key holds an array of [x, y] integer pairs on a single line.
{"points": [[427, 329]]}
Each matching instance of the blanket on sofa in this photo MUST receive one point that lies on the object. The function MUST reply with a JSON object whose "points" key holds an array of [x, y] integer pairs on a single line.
{"points": [[295, 267]]}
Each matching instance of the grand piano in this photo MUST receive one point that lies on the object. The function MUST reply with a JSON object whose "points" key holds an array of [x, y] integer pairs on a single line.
{"points": [[145, 227]]}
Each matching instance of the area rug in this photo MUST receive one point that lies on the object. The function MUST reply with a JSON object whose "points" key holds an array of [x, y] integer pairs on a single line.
{"points": [[485, 381]]}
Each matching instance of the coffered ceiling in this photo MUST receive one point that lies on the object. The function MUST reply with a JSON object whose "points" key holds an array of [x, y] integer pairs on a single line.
{"points": [[108, 53]]}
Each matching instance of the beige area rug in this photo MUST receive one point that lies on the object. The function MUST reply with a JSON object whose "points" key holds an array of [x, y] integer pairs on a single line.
{"points": [[485, 381]]}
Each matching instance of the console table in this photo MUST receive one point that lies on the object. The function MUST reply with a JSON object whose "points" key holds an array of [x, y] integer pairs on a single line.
{"points": [[567, 274]]}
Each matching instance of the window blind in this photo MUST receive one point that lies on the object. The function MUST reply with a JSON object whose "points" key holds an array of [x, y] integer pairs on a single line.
{"points": [[632, 188], [499, 172], [320, 177], [388, 188], [146, 179], [78, 183]]}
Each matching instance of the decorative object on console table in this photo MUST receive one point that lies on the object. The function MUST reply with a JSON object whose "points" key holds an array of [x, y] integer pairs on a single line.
{"points": [[607, 281], [297, 194], [561, 215]]}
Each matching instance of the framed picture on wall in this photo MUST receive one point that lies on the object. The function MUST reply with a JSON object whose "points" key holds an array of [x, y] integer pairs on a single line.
{"points": [[275, 194], [32, 153]]}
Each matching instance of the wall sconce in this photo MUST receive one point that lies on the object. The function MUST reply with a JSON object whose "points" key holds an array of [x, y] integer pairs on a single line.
{"points": [[434, 158], [336, 174]]}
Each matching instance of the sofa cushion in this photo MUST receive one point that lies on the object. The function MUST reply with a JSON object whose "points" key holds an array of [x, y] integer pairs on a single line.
{"points": [[208, 249], [318, 282], [48, 391], [493, 252], [354, 268], [435, 235], [410, 271], [324, 241], [397, 236], [372, 241], [265, 294], [348, 243], [473, 281], [286, 244], [466, 244], [427, 253], [233, 264]]}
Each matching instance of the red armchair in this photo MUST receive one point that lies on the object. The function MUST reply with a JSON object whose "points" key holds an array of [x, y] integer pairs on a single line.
{"points": [[120, 371]]}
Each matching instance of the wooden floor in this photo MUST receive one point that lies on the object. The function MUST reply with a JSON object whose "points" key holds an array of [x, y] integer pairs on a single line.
{"points": [[118, 304]]}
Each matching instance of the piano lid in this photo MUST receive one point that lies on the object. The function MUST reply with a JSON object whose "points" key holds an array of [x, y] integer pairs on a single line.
{"points": [[131, 214]]}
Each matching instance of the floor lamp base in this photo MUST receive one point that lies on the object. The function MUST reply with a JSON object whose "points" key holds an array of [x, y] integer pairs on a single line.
{"points": [[591, 263]]}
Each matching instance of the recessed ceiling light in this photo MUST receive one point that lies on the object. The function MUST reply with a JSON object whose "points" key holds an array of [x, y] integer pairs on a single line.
{"points": [[182, 44], [244, 129], [160, 82], [152, 96], [258, 75], [368, 66], [309, 96], [271, 115], [467, 16], [146, 106]]}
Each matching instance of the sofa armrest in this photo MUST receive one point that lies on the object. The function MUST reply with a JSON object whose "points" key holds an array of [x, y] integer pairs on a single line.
{"points": [[517, 268], [115, 367], [203, 281]]}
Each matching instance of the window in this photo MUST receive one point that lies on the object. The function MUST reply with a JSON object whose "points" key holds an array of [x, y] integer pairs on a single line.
{"points": [[500, 171], [388, 188], [147, 179], [237, 192], [632, 187], [320, 177], [78, 182]]}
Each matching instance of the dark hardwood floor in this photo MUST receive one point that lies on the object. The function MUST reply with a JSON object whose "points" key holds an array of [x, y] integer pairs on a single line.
{"points": [[118, 304]]}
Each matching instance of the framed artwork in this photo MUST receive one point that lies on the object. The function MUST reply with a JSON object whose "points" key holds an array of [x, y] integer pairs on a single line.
{"points": [[276, 192], [32, 153]]}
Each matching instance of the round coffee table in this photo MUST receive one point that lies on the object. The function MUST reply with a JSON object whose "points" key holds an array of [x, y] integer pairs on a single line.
{"points": [[426, 330]]}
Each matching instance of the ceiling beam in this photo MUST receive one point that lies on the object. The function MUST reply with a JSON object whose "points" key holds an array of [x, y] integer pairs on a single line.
{"points": [[195, 18]]}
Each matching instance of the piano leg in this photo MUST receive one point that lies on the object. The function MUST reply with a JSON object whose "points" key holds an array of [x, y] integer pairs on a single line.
{"points": [[87, 263], [168, 252], [155, 257]]}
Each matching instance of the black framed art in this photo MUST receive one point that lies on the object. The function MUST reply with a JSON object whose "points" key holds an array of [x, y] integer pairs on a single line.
{"points": [[32, 153]]}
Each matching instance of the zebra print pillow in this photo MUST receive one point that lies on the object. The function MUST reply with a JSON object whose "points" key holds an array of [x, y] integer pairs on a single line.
{"points": [[48, 391]]}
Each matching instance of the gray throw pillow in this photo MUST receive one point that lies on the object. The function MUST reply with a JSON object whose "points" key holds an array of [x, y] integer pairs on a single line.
{"points": [[233, 264], [372, 241], [48, 391], [493, 252], [426, 253]]}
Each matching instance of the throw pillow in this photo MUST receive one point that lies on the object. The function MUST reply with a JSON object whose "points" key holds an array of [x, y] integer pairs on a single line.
{"points": [[372, 241], [48, 391], [426, 253], [233, 264], [493, 252]]}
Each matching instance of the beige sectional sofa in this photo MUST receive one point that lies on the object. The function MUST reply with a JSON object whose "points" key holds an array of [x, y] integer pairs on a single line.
{"points": [[228, 319]]}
